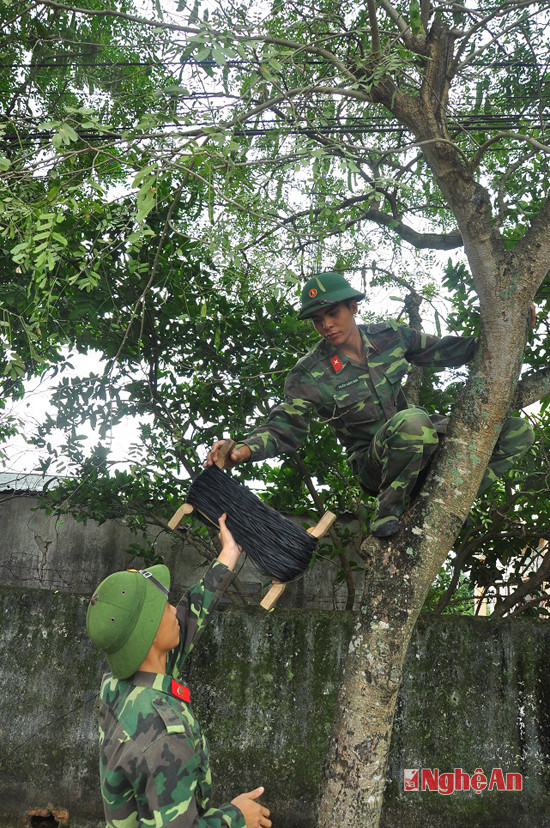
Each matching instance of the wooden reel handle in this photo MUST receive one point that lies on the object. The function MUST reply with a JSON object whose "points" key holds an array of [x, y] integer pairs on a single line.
{"points": [[178, 516], [224, 459], [222, 463], [277, 588]]}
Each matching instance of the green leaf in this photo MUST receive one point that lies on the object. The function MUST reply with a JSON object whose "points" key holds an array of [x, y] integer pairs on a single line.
{"points": [[202, 54], [437, 323], [145, 203], [19, 247], [219, 57], [416, 21], [69, 132]]}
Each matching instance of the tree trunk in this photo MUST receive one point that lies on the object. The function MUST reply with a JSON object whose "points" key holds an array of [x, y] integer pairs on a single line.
{"points": [[398, 578], [401, 570], [362, 729]]}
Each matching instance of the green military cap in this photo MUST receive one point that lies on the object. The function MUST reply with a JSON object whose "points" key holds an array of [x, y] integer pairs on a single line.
{"points": [[325, 289], [124, 615]]}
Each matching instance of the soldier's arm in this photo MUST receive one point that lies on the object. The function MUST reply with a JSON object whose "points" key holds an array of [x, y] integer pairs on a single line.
{"points": [[287, 424], [194, 609], [284, 430], [445, 351], [437, 352], [169, 778]]}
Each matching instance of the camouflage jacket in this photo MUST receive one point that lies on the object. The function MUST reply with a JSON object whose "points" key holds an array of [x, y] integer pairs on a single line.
{"points": [[154, 762], [356, 400]]}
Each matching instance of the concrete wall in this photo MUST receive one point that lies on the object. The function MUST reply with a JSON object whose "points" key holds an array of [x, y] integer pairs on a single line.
{"points": [[38, 550], [476, 694]]}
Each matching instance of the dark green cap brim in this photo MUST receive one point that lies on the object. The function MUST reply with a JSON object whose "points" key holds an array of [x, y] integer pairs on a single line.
{"points": [[335, 297]]}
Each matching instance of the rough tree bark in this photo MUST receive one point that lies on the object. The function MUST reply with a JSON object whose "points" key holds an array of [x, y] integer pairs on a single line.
{"points": [[400, 571]]}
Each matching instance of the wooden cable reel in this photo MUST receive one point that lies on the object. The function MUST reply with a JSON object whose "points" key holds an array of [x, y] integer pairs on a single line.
{"points": [[276, 546]]}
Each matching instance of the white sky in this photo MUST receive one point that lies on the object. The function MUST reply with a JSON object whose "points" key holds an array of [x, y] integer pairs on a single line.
{"points": [[31, 410]]}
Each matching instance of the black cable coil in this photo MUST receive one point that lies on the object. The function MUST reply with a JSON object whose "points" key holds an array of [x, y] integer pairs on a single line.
{"points": [[277, 546]]}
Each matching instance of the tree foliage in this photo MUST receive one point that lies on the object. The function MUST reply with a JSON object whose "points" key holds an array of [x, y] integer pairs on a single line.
{"points": [[166, 182]]}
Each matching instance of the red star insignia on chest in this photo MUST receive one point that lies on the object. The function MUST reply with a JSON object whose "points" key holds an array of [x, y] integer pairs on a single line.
{"points": [[336, 364]]}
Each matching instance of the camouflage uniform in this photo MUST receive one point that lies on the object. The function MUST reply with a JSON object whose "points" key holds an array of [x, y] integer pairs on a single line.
{"points": [[154, 761], [387, 443]]}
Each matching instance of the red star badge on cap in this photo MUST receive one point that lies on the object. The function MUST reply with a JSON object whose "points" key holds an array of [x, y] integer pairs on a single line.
{"points": [[336, 364]]}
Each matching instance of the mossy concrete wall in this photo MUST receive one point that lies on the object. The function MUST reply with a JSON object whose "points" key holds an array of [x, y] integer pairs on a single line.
{"points": [[475, 695]]}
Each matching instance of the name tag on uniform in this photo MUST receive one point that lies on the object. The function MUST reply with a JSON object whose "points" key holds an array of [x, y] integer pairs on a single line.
{"points": [[347, 384]]}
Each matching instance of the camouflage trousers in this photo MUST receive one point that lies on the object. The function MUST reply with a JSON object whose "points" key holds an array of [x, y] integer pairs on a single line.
{"points": [[403, 447]]}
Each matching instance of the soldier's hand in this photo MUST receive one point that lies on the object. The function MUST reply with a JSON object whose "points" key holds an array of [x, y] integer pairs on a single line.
{"points": [[255, 815], [532, 316], [231, 550], [240, 455]]}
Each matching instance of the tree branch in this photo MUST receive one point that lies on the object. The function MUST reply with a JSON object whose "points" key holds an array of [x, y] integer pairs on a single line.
{"points": [[375, 34], [421, 241], [526, 604], [435, 241], [481, 24], [516, 136], [458, 564], [412, 42], [531, 255], [524, 589], [131, 18], [532, 388]]}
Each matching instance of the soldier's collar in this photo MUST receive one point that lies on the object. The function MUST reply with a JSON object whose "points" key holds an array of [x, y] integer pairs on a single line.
{"points": [[338, 358], [369, 346], [161, 683]]}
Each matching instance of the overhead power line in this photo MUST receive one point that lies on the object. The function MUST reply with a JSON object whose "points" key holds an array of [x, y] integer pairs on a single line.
{"points": [[67, 61], [355, 126]]}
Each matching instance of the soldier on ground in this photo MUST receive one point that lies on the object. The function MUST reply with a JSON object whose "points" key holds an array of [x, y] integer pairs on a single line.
{"points": [[154, 761], [352, 380]]}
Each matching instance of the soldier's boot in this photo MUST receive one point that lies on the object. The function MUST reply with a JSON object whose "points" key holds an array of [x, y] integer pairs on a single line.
{"points": [[384, 527], [516, 437], [403, 447]]}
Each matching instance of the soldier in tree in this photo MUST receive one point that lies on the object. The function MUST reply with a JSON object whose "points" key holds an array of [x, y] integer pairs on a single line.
{"points": [[352, 380], [154, 762]]}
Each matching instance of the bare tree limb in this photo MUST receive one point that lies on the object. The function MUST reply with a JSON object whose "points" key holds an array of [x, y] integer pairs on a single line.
{"points": [[415, 43], [466, 36], [532, 388], [517, 136], [375, 34], [524, 589]]}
